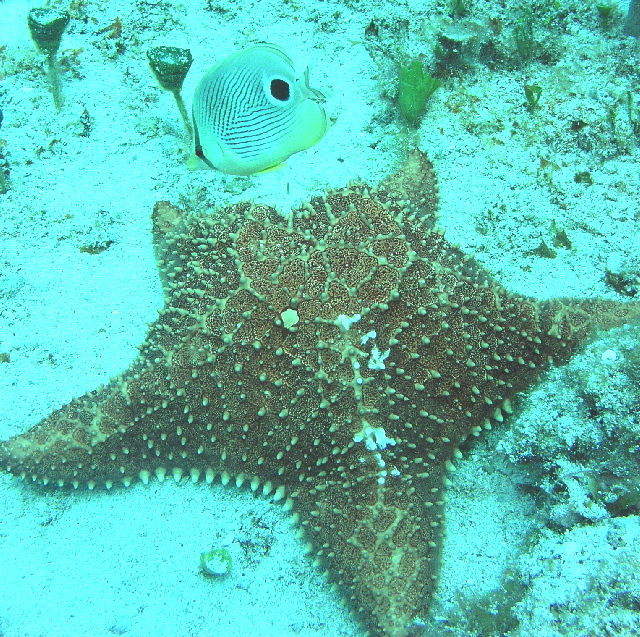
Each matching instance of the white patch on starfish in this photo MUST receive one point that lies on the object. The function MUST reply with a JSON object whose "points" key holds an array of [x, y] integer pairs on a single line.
{"points": [[377, 358], [345, 322], [374, 438]]}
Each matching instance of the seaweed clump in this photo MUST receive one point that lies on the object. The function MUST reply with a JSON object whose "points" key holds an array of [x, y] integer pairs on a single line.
{"points": [[415, 88]]}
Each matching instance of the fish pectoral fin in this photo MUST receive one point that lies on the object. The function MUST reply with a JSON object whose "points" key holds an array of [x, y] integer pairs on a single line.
{"points": [[315, 94]]}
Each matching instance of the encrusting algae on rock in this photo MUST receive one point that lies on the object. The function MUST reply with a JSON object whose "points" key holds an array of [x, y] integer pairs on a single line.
{"points": [[333, 360]]}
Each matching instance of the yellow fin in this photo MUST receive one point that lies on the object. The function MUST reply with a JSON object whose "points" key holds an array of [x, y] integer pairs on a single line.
{"points": [[195, 163], [272, 169]]}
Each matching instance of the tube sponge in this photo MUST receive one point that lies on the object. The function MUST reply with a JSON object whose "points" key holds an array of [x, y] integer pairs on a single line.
{"points": [[632, 23], [46, 27], [170, 65]]}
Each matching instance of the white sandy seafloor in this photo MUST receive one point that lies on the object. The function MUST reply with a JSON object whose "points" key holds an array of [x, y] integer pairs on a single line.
{"points": [[543, 536]]}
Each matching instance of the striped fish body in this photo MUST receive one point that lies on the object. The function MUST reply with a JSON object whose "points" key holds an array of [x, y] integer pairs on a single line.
{"points": [[251, 112]]}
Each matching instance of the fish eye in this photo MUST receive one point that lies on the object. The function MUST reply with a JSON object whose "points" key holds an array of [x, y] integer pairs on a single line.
{"points": [[279, 89]]}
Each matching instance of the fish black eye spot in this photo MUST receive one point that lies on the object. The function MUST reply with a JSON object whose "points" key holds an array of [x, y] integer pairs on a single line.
{"points": [[280, 90]]}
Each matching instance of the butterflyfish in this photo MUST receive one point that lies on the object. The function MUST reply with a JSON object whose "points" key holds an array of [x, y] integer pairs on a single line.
{"points": [[251, 112]]}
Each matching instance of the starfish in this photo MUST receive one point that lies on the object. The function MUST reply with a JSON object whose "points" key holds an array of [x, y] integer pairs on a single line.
{"points": [[333, 360]]}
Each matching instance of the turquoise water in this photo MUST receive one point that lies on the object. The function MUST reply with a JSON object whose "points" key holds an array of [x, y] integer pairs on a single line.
{"points": [[534, 503]]}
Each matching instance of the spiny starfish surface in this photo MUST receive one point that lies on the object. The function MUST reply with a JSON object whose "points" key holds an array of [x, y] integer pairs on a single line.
{"points": [[334, 360]]}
